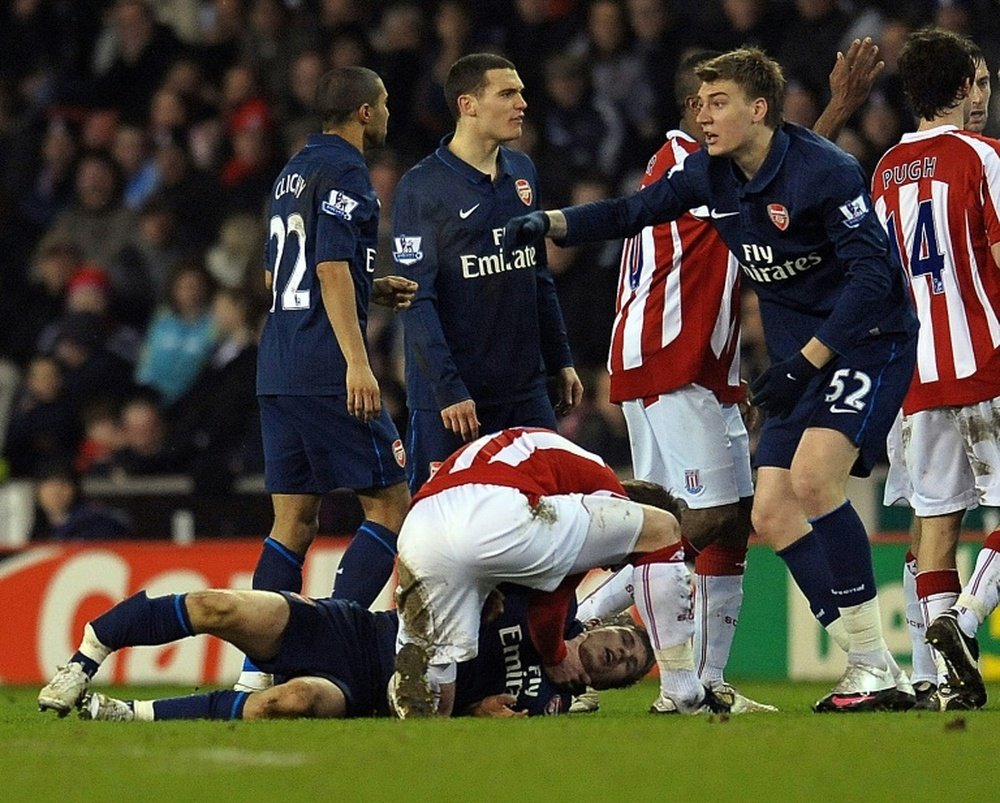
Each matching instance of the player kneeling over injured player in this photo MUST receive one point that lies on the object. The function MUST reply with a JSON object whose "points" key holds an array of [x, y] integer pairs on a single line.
{"points": [[528, 506], [334, 658]]}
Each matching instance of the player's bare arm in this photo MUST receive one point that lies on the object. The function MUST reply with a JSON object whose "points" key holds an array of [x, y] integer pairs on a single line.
{"points": [[363, 398], [569, 389], [461, 419], [396, 292], [851, 80]]}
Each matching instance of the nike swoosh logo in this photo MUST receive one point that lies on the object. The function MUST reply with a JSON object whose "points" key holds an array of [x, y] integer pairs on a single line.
{"points": [[464, 213], [717, 214]]}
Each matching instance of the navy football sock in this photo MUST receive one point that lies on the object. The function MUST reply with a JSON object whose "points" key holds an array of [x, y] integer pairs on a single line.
{"points": [[807, 563], [140, 620], [278, 568], [223, 704], [849, 555], [366, 565]]}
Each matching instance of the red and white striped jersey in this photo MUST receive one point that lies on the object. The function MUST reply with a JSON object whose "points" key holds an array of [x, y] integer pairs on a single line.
{"points": [[937, 193], [538, 462], [677, 316]]}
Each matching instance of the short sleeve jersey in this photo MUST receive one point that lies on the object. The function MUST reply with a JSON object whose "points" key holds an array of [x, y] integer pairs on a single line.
{"points": [[322, 208]]}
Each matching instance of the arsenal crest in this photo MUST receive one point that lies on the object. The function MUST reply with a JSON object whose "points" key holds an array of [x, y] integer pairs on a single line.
{"points": [[778, 215], [523, 190], [399, 452]]}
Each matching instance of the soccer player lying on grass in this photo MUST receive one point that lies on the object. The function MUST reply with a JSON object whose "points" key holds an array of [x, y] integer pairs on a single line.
{"points": [[334, 657]]}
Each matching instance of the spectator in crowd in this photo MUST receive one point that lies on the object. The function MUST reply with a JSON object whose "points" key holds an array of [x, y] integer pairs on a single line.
{"points": [[90, 369], [102, 437], [46, 189], [821, 23], [618, 73], [143, 51], [181, 336], [140, 272], [213, 425], [578, 130], [249, 172], [41, 302], [658, 43], [97, 222], [143, 450], [88, 292], [43, 425], [63, 514], [233, 259], [452, 38], [131, 152], [192, 192]]}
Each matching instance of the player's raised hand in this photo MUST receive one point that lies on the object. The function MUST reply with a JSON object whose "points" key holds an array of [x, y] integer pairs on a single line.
{"points": [[394, 291], [854, 72], [525, 230], [778, 389]]}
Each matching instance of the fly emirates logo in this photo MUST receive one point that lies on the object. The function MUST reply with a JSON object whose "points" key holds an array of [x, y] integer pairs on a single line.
{"points": [[757, 263], [475, 266]]}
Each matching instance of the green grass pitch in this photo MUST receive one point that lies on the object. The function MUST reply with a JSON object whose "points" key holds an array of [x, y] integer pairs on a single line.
{"points": [[620, 753]]}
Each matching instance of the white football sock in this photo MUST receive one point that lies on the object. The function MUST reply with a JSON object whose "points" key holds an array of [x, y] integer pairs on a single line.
{"points": [[924, 665], [981, 594], [717, 603], [663, 598], [613, 596]]}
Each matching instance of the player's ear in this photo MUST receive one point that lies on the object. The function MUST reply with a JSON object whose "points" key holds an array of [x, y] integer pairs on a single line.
{"points": [[467, 105], [365, 113], [759, 110]]}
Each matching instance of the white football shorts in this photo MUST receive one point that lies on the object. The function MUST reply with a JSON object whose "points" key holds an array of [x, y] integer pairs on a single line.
{"points": [[693, 445], [951, 459], [458, 545]]}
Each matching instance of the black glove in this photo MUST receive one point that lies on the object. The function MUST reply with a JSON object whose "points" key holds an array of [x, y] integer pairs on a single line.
{"points": [[524, 230], [778, 389]]}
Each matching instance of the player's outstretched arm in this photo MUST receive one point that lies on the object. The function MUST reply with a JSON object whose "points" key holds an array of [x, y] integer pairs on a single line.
{"points": [[531, 228], [497, 706], [851, 81]]}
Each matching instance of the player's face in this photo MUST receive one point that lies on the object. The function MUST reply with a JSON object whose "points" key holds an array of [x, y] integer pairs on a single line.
{"points": [[378, 124], [726, 117], [979, 98], [499, 108], [612, 656]]}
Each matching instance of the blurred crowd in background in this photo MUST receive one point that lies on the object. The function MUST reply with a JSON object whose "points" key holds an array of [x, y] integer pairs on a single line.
{"points": [[138, 141]]}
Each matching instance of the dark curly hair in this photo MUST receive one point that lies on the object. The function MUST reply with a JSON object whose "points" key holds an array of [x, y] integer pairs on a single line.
{"points": [[654, 495], [934, 67]]}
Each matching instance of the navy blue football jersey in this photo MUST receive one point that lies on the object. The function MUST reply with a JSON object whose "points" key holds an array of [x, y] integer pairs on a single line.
{"points": [[508, 662], [484, 324], [802, 229], [355, 649], [322, 208]]}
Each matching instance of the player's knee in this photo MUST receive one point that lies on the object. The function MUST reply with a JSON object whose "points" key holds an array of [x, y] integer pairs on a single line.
{"points": [[295, 698], [211, 609]]}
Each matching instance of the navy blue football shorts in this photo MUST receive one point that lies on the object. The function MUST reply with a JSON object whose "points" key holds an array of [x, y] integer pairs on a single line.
{"points": [[312, 445], [858, 393], [336, 639], [428, 443]]}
